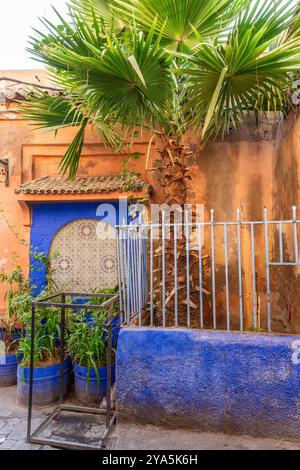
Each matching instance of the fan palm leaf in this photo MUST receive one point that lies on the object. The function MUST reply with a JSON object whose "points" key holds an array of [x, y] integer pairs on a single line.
{"points": [[226, 80], [167, 65], [181, 21]]}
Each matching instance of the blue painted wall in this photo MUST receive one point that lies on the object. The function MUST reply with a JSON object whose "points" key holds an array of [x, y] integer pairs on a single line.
{"points": [[48, 218], [212, 381]]}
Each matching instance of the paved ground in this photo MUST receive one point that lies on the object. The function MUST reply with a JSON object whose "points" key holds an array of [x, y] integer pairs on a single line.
{"points": [[126, 436]]}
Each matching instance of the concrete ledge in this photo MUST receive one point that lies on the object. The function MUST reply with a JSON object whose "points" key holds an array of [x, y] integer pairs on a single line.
{"points": [[237, 383]]}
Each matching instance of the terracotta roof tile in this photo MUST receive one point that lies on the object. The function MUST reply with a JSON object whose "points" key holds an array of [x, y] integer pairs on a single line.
{"points": [[81, 185], [18, 93]]}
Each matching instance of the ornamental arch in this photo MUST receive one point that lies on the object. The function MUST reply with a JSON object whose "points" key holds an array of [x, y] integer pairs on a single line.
{"points": [[83, 256]]}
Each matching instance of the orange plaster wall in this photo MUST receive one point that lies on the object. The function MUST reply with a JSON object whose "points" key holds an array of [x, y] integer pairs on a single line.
{"points": [[33, 154], [250, 170]]}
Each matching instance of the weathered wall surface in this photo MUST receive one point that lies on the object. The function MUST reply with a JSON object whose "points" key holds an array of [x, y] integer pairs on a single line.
{"points": [[286, 184], [33, 154], [250, 170], [209, 381]]}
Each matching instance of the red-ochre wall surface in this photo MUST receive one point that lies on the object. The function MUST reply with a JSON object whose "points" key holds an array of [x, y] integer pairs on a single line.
{"points": [[251, 169]]}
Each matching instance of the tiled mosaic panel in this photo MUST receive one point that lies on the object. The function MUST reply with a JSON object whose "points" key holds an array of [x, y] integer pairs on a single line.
{"points": [[83, 255]]}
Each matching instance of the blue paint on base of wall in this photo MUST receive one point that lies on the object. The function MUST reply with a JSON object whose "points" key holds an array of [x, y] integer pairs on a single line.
{"points": [[237, 383], [48, 219]]}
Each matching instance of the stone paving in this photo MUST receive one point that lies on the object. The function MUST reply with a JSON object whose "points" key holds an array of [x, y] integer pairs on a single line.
{"points": [[126, 436], [13, 422]]}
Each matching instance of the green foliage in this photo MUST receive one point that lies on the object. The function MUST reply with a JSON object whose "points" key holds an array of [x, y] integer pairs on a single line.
{"points": [[181, 22], [247, 72], [87, 344], [18, 298], [47, 335], [164, 65]]}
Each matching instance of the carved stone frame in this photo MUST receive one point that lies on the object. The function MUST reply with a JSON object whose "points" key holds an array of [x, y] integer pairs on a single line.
{"points": [[4, 163]]}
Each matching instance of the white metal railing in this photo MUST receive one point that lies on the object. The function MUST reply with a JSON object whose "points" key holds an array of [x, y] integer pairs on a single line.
{"points": [[234, 262]]}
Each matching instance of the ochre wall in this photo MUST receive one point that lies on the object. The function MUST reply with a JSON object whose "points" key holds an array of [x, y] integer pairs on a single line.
{"points": [[250, 170], [33, 154]]}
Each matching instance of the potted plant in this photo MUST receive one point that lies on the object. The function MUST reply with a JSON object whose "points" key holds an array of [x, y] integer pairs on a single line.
{"points": [[87, 345], [98, 300], [18, 297], [46, 373], [9, 337]]}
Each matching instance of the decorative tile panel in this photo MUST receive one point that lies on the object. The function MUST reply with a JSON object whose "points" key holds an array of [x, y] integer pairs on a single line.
{"points": [[82, 257]]}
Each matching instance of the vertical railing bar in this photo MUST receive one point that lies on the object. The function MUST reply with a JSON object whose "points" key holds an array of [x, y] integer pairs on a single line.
{"points": [[240, 270], [200, 274], [130, 267], [146, 268], [135, 270], [126, 271], [280, 242], [62, 349], [128, 278], [294, 209], [151, 276], [140, 271], [226, 279], [187, 248], [267, 269], [119, 275], [213, 268], [31, 371], [253, 274], [123, 255], [109, 364], [175, 277], [163, 270]]}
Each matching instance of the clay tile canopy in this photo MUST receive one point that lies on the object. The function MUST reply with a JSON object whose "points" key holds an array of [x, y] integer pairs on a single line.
{"points": [[85, 185]]}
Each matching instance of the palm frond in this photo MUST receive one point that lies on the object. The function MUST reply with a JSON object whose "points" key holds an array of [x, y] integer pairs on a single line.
{"points": [[164, 65], [99, 10], [179, 19], [71, 158], [254, 66]]}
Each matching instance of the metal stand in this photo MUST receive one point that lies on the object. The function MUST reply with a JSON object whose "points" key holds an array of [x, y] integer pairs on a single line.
{"points": [[108, 414]]}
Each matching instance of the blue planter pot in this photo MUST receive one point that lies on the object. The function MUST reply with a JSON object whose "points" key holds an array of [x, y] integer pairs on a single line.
{"points": [[8, 370], [88, 390], [45, 384]]}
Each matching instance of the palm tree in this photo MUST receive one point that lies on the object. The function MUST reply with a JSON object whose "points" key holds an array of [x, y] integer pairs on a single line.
{"points": [[168, 66]]}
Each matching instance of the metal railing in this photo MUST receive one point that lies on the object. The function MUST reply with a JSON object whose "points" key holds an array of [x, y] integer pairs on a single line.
{"points": [[218, 275]]}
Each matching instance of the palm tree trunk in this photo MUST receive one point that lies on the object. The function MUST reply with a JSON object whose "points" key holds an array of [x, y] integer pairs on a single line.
{"points": [[173, 173], [173, 178]]}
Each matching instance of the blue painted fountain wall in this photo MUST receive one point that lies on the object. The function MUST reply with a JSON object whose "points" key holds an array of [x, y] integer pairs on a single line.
{"points": [[211, 381], [48, 219]]}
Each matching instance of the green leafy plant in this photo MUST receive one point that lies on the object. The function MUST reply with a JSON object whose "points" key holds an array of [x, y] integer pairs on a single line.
{"points": [[87, 344], [98, 299], [47, 336], [18, 297]]}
